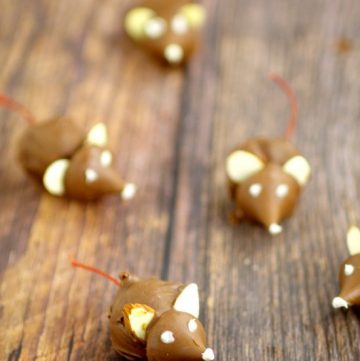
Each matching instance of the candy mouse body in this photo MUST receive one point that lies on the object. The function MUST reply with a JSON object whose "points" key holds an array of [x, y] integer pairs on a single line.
{"points": [[266, 177], [66, 160], [167, 29], [156, 320], [349, 274]]}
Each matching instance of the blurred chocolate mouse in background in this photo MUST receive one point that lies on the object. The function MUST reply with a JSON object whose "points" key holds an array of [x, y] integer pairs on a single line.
{"points": [[155, 320], [266, 176], [66, 160], [170, 30]]}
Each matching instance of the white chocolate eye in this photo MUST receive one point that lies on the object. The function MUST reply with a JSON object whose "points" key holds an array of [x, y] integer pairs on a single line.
{"points": [[91, 176], [349, 269], [167, 337], [282, 190], [155, 28], [192, 325], [106, 158], [255, 190], [179, 25]]}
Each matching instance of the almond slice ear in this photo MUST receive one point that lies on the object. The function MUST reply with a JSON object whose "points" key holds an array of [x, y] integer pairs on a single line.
{"points": [[54, 177], [353, 240], [188, 301], [299, 168], [194, 14], [137, 318], [135, 21], [241, 165], [98, 135]]}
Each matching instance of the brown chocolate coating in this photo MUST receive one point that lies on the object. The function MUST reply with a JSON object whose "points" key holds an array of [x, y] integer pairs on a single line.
{"points": [[43, 143], [102, 180], [157, 294], [184, 350], [185, 40], [350, 283], [271, 193]]}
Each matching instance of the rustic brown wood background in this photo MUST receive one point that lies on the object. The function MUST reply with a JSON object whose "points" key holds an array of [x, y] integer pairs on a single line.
{"points": [[263, 298]]}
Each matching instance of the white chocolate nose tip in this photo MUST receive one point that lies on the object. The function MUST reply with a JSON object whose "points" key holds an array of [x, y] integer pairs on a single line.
{"points": [[129, 191], [208, 355], [174, 53], [339, 302], [275, 228]]}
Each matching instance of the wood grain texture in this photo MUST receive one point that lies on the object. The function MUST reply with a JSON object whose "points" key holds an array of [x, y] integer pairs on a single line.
{"points": [[263, 298]]}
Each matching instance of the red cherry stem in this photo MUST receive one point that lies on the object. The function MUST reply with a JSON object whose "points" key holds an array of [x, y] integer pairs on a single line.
{"points": [[77, 264], [9, 103], [294, 107]]}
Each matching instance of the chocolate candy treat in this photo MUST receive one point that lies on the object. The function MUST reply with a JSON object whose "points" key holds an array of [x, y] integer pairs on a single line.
{"points": [[170, 30], [156, 320], [66, 160], [349, 275], [266, 176]]}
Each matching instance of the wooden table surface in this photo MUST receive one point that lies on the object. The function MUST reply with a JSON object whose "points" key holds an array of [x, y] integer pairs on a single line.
{"points": [[263, 298]]}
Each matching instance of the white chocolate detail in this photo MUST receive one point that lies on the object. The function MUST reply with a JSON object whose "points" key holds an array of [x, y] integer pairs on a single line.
{"points": [[194, 14], [129, 191], [208, 355], [192, 325], [339, 302], [54, 177], [348, 269], [91, 176], [139, 319], [241, 165], [167, 337], [188, 301], [275, 229], [98, 135], [282, 190], [179, 25], [299, 168], [174, 53], [353, 240], [155, 28], [106, 158], [135, 21], [255, 190]]}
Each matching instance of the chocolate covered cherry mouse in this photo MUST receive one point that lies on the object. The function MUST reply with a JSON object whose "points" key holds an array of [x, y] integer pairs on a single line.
{"points": [[349, 274], [156, 320], [266, 176], [169, 29], [66, 160]]}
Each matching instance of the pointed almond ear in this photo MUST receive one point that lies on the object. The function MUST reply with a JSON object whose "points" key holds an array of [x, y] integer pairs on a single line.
{"points": [[54, 177], [137, 318], [194, 14], [135, 21], [98, 135], [353, 240], [298, 168], [241, 165], [188, 301]]}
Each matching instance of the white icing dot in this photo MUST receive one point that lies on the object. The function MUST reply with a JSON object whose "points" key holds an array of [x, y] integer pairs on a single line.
{"points": [[275, 228], [255, 190], [91, 176], [129, 191], [155, 28], [167, 337], [174, 53], [348, 269], [106, 158], [192, 325], [179, 25], [282, 190], [208, 355]]}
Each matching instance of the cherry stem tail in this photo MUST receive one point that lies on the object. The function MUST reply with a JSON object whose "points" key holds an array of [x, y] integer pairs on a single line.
{"points": [[9, 103], [294, 107], [77, 264]]}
